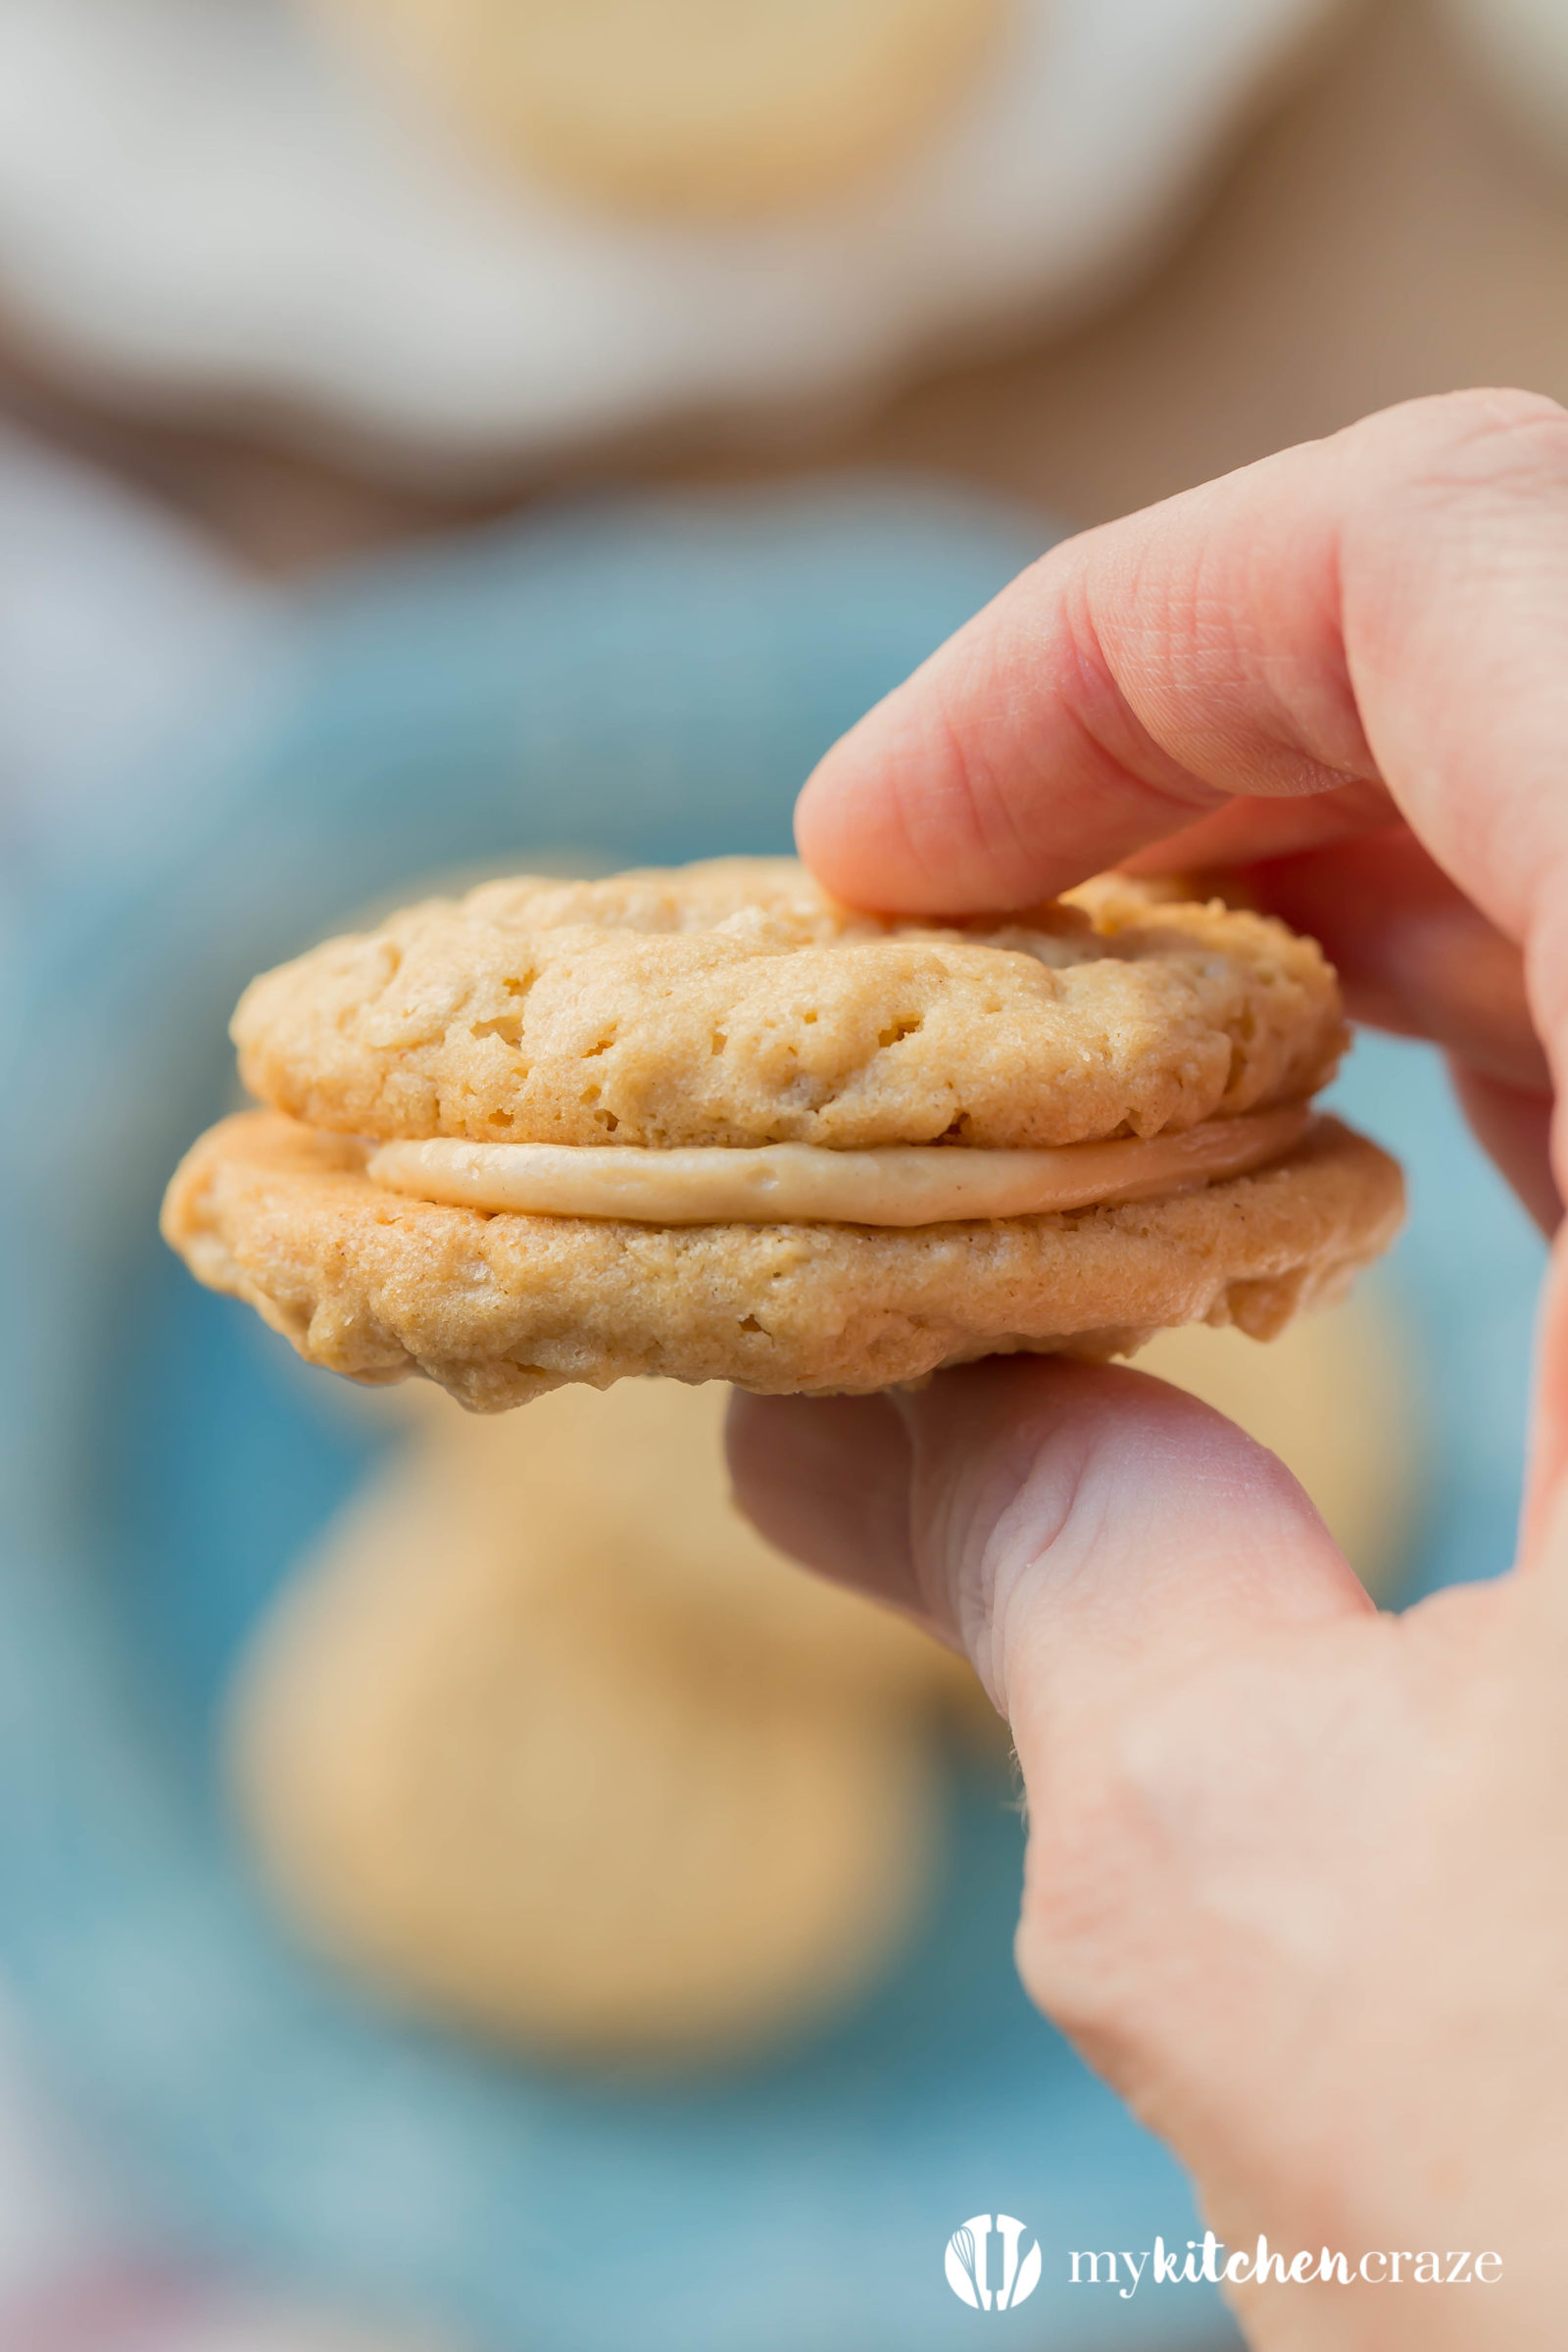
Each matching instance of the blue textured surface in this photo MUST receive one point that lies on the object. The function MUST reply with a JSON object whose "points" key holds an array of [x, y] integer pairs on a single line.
{"points": [[638, 681]]}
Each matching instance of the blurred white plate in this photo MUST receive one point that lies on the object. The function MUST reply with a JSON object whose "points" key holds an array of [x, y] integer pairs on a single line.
{"points": [[1523, 43], [197, 198], [115, 622]]}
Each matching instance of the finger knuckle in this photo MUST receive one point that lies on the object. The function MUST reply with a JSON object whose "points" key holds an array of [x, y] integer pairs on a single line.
{"points": [[1482, 445]]}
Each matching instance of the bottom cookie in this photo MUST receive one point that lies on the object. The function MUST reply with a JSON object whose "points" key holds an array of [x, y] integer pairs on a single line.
{"points": [[499, 1309]]}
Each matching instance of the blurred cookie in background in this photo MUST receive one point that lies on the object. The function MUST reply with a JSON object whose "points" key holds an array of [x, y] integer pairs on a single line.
{"points": [[1334, 1398], [548, 1743], [700, 108], [910, 177], [627, 1487]]}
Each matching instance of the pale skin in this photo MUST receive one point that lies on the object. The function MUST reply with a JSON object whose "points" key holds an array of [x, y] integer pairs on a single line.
{"points": [[1298, 1873]]}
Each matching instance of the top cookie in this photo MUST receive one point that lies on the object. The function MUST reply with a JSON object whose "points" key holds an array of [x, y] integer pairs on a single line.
{"points": [[732, 1004]]}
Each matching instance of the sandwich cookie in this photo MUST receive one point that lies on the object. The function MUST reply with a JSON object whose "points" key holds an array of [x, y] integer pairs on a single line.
{"points": [[707, 1124]]}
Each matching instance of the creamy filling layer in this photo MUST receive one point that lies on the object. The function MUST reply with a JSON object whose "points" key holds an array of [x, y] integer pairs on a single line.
{"points": [[802, 1184]]}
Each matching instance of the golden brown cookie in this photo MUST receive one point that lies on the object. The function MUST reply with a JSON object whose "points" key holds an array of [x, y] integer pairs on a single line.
{"points": [[547, 1742], [499, 1309], [683, 106], [730, 1004]]}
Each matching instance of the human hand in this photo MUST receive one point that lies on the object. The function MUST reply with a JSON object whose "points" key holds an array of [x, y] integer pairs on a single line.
{"points": [[1298, 1874]]}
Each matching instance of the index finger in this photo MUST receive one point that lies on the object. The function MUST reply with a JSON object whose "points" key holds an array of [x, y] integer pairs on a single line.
{"points": [[1372, 625]]}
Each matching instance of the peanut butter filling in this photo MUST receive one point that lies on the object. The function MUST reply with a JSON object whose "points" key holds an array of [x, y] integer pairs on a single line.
{"points": [[800, 1184]]}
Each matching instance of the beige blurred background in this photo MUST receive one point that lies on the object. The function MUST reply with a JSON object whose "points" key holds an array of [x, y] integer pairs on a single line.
{"points": [[1385, 229]]}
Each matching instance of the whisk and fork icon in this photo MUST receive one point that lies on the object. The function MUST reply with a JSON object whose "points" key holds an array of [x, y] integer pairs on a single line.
{"points": [[967, 2263]]}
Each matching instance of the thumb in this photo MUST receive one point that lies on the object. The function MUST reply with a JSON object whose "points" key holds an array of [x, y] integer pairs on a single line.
{"points": [[1161, 1615], [1077, 1529]]}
